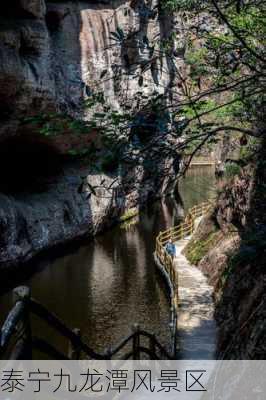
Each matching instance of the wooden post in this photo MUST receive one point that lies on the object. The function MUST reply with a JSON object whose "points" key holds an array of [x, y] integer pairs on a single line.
{"points": [[23, 347], [175, 283], [191, 225], [152, 347], [108, 353], [136, 342], [74, 350], [175, 338]]}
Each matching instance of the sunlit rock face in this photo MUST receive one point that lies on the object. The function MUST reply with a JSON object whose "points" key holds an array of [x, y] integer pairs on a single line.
{"points": [[54, 53], [141, 24]]}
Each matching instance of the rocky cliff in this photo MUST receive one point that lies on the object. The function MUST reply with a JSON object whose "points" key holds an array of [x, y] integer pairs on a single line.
{"points": [[53, 54], [229, 247]]}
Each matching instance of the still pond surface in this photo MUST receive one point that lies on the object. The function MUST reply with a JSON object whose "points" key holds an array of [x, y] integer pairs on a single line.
{"points": [[110, 283]]}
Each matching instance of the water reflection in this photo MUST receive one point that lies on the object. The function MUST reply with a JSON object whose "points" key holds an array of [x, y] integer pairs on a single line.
{"points": [[197, 186], [109, 284]]}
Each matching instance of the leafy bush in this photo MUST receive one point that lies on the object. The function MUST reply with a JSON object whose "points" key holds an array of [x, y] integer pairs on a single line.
{"points": [[130, 213], [198, 249], [232, 170]]}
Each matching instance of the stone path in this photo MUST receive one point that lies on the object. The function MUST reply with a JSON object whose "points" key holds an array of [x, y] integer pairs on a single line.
{"points": [[196, 325]]}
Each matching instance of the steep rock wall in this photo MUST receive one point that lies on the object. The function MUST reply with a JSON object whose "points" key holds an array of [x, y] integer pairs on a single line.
{"points": [[230, 247], [52, 55], [68, 210]]}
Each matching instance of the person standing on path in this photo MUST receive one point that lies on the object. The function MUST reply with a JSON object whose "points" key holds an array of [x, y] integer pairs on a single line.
{"points": [[170, 248]]}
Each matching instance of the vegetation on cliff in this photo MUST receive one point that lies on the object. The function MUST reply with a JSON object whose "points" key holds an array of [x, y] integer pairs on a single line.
{"points": [[229, 247], [216, 68]]}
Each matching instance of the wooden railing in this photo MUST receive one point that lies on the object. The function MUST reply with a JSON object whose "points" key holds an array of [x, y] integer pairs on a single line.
{"points": [[17, 341], [200, 160], [176, 233], [16, 335], [165, 260]]}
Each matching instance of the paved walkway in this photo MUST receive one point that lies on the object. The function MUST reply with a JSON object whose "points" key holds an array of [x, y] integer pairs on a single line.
{"points": [[196, 325]]}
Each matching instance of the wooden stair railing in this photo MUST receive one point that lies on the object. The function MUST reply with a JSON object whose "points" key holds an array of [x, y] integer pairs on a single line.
{"points": [[166, 262], [16, 333], [176, 233], [17, 340]]}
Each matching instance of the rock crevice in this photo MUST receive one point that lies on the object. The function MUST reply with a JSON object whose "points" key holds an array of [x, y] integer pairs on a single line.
{"points": [[52, 55]]}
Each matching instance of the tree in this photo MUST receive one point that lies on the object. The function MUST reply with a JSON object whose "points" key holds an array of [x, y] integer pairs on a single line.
{"points": [[221, 90], [223, 87]]}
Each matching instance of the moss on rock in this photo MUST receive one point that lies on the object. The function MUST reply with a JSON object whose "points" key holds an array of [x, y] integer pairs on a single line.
{"points": [[197, 249]]}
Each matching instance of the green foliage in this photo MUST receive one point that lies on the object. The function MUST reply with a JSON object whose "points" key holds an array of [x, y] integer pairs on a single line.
{"points": [[202, 106], [180, 5], [232, 169], [166, 44], [247, 152], [118, 35], [251, 22], [196, 58], [130, 213], [223, 84], [129, 223], [81, 153], [54, 124], [197, 249]]}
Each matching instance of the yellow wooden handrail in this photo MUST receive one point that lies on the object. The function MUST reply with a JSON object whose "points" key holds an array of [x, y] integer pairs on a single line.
{"points": [[165, 261], [176, 233]]}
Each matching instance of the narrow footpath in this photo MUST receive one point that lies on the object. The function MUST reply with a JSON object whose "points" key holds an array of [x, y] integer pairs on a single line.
{"points": [[196, 324]]}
